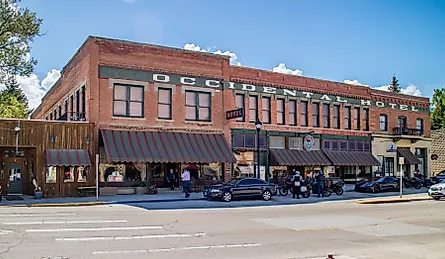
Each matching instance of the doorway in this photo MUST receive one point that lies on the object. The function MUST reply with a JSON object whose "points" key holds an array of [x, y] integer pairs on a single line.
{"points": [[15, 175]]}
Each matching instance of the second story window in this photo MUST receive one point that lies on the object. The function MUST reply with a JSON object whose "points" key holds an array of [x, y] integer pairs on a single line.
{"points": [[401, 122], [347, 117], [383, 122], [198, 106], [165, 103], [280, 111], [357, 118], [336, 116], [66, 107], [239, 103], [128, 101], [303, 114], [60, 110], [419, 126], [366, 119], [315, 114], [51, 116], [253, 106], [326, 116], [265, 109], [292, 107], [83, 101]]}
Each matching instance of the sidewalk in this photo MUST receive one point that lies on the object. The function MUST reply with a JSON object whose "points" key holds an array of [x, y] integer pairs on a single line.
{"points": [[114, 199]]}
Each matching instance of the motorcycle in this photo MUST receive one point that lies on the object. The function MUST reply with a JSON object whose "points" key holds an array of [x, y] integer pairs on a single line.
{"points": [[414, 182], [327, 189], [337, 187], [288, 186]]}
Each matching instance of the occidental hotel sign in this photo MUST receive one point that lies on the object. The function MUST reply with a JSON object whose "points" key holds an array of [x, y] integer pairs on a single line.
{"points": [[146, 76]]}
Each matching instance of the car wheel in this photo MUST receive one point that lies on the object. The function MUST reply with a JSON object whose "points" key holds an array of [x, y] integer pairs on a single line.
{"points": [[227, 196], [377, 189], [267, 195], [327, 193], [436, 198], [306, 194]]}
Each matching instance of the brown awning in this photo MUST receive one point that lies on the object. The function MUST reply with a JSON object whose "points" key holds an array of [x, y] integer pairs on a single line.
{"points": [[298, 157], [173, 147], [410, 158], [351, 158], [67, 157]]}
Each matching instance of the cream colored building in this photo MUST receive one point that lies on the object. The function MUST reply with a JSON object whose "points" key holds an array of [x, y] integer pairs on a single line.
{"points": [[415, 149]]}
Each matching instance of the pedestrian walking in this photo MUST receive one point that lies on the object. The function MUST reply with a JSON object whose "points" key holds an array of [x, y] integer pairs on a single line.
{"points": [[296, 185], [320, 183], [185, 177], [172, 179]]}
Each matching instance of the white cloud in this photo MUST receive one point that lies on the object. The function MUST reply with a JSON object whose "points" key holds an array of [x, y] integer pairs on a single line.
{"points": [[232, 55], [34, 89], [353, 82], [281, 68]]}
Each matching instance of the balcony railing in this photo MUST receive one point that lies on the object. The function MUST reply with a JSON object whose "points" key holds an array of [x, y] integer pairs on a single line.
{"points": [[73, 116], [407, 131]]}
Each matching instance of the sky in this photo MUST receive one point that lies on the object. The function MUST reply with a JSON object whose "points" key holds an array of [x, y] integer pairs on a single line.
{"points": [[351, 41]]}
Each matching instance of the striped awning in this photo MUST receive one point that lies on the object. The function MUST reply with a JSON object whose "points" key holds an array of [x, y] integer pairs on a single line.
{"points": [[67, 157], [410, 158], [294, 157], [172, 147], [352, 158]]}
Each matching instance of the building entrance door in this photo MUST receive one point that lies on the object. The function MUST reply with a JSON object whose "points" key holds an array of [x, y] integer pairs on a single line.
{"points": [[15, 179]]}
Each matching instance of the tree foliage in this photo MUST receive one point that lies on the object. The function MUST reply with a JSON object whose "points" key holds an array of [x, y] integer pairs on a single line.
{"points": [[438, 112], [18, 28], [10, 107], [394, 86]]}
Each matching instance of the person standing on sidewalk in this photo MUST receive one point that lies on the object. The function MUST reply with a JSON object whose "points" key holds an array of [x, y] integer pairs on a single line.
{"points": [[172, 179], [296, 185], [320, 184], [185, 177]]}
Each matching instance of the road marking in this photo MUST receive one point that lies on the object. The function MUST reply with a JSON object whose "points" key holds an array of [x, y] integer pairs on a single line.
{"points": [[129, 237], [5, 232], [36, 215], [176, 249], [55, 218], [65, 222], [90, 229]]}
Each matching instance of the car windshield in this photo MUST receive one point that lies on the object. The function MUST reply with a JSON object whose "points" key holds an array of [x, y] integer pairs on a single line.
{"points": [[381, 180], [233, 181]]}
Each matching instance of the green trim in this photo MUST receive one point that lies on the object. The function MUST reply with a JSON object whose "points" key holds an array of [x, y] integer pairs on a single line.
{"points": [[331, 136], [359, 138]]}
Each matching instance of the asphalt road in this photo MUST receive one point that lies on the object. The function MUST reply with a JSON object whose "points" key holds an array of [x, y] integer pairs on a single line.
{"points": [[346, 229]]}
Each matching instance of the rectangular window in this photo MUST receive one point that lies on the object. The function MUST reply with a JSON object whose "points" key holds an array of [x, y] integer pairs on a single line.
{"points": [[383, 122], [380, 167], [82, 101], [343, 146], [78, 102], [265, 110], [303, 114], [326, 116], [68, 174], [71, 114], [239, 102], [351, 145], [292, 107], [253, 106], [327, 145], [359, 146], [277, 142], [165, 103], [335, 145], [347, 117], [66, 107], [389, 166], [336, 116], [55, 114], [60, 110], [198, 106], [366, 118], [51, 174], [280, 112], [51, 116], [128, 101], [316, 115], [357, 118], [419, 126]]}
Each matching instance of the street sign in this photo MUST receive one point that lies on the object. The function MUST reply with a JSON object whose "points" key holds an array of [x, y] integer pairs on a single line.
{"points": [[238, 113], [434, 157], [401, 160]]}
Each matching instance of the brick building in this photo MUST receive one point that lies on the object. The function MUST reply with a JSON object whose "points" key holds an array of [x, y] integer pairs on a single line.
{"points": [[158, 108]]}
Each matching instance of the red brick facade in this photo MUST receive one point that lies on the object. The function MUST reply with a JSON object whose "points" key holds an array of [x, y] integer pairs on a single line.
{"points": [[83, 70]]}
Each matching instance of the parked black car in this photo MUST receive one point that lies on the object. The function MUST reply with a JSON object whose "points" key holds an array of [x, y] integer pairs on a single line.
{"points": [[239, 188], [438, 177], [387, 183]]}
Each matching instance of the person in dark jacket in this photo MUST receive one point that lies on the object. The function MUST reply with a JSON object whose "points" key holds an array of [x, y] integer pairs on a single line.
{"points": [[296, 179], [172, 179], [320, 184]]}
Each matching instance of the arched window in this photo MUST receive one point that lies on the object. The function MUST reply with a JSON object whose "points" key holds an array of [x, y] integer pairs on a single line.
{"points": [[383, 122]]}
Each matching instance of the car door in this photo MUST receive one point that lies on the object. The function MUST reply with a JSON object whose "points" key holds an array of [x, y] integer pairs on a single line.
{"points": [[386, 184], [256, 187], [241, 189]]}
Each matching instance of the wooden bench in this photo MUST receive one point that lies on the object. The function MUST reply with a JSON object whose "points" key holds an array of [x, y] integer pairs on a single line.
{"points": [[86, 191]]}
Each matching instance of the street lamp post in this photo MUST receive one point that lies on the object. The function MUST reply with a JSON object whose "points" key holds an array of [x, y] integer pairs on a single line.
{"points": [[16, 132], [258, 125]]}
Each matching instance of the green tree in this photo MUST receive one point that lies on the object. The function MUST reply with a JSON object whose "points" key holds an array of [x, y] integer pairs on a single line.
{"points": [[394, 86], [13, 88], [18, 28], [438, 112], [10, 107]]}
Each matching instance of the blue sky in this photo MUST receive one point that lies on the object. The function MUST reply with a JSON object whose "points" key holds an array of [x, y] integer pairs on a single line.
{"points": [[360, 40]]}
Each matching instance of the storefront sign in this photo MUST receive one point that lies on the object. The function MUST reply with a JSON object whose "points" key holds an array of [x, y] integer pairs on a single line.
{"points": [[434, 157], [238, 113], [163, 78], [392, 148]]}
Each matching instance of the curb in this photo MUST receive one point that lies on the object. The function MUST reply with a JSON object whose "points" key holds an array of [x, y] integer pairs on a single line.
{"points": [[156, 201], [393, 200]]}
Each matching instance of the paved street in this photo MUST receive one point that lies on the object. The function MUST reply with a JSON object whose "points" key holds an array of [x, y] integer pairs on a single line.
{"points": [[346, 229]]}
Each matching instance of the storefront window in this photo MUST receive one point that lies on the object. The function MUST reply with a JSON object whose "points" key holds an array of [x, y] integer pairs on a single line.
{"points": [[51, 174], [81, 174], [211, 171], [249, 141], [343, 146], [295, 143], [389, 166], [68, 174], [277, 142]]}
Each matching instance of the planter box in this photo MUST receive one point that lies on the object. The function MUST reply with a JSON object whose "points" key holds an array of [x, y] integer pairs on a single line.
{"points": [[141, 190], [104, 191]]}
